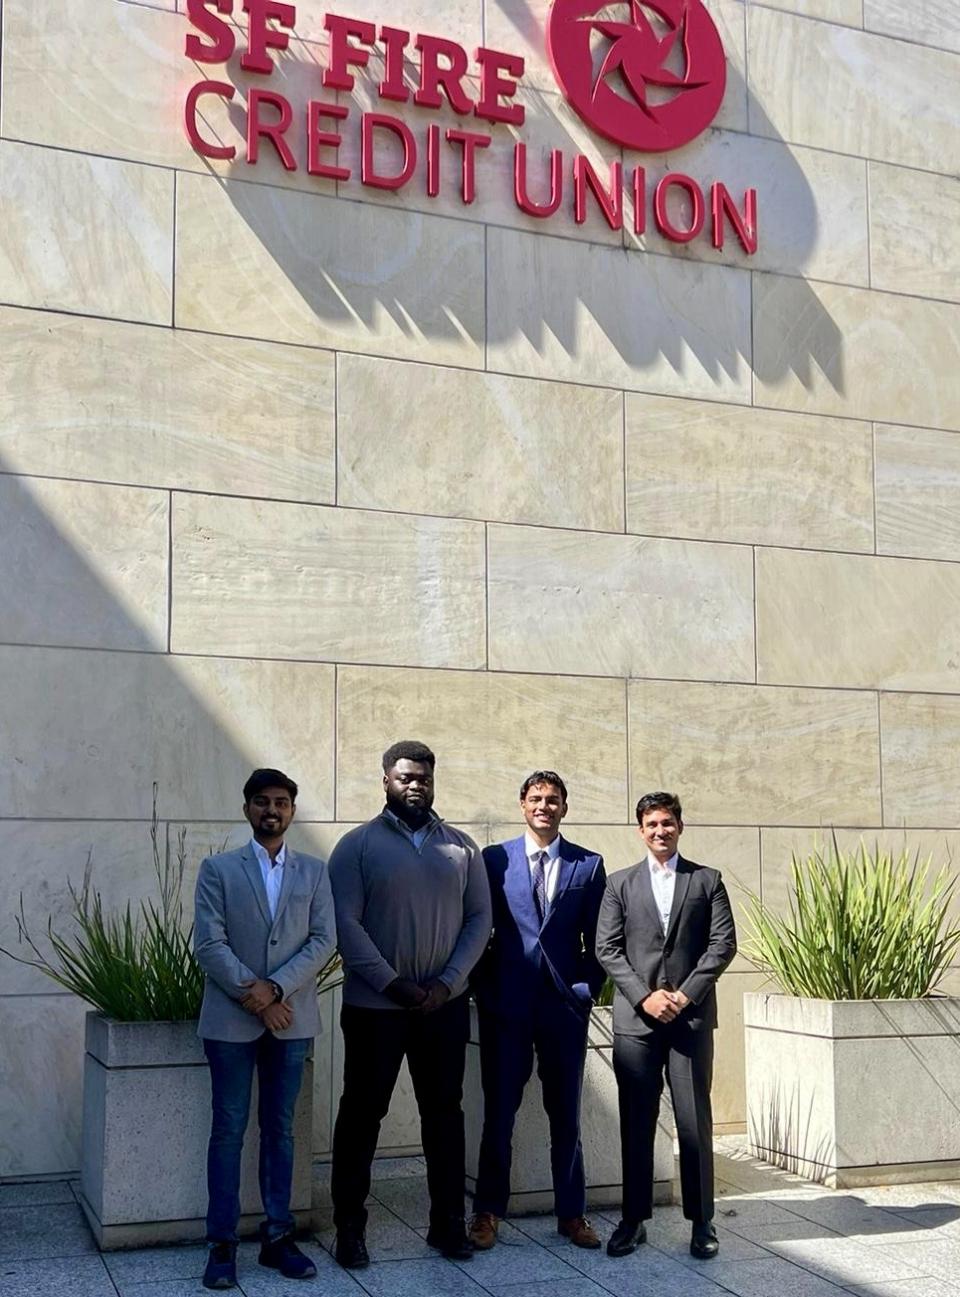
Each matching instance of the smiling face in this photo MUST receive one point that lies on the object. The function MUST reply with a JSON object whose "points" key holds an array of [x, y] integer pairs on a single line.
{"points": [[660, 830], [270, 812], [543, 808]]}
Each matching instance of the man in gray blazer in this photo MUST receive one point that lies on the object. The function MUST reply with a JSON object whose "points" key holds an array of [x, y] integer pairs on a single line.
{"points": [[263, 929], [665, 934]]}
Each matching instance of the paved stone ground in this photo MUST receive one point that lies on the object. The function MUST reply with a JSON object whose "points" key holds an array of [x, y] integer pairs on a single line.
{"points": [[780, 1237]]}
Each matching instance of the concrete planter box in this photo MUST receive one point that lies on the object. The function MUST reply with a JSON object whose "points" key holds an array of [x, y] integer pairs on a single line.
{"points": [[146, 1121], [854, 1092], [532, 1189]]}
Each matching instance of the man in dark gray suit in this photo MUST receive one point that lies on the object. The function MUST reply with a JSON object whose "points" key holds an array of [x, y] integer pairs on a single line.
{"points": [[264, 927], [665, 934]]}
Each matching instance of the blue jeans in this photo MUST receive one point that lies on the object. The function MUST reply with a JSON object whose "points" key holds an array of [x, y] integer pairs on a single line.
{"points": [[279, 1065]]}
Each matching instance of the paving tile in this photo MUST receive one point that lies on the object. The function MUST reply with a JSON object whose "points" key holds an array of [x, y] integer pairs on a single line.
{"points": [[406, 1198], [161, 1288], [763, 1278], [150, 1265], [740, 1213], [847, 1214], [844, 1260], [46, 1194], [645, 1273], [27, 1232], [923, 1287], [398, 1168], [388, 1238], [669, 1233], [436, 1278], [516, 1264], [579, 1287], [76, 1277], [940, 1258]]}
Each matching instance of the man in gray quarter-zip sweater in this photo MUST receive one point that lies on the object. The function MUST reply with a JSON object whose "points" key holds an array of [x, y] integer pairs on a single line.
{"points": [[413, 917]]}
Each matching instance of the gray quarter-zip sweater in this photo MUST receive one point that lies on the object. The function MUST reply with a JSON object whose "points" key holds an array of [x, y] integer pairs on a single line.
{"points": [[403, 911]]}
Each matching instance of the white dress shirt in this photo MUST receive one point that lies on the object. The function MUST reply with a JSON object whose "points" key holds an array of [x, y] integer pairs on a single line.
{"points": [[271, 872], [551, 866], [663, 880]]}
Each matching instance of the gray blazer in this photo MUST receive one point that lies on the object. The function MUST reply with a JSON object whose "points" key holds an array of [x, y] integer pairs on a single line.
{"points": [[235, 941], [699, 943]]}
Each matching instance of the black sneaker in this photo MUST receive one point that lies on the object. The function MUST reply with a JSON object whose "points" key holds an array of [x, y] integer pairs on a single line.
{"points": [[350, 1249], [450, 1239], [283, 1254], [221, 1271]]}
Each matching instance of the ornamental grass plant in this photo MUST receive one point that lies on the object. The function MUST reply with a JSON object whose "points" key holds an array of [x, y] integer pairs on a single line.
{"points": [[132, 965], [859, 925]]}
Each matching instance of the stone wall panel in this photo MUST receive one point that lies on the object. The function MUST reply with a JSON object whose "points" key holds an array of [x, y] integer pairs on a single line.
{"points": [[89, 732], [918, 493], [853, 91], [85, 234], [478, 445], [748, 754], [488, 730], [831, 350], [85, 398], [290, 267], [70, 580], [256, 579], [720, 472], [628, 320], [857, 621], [563, 602]]}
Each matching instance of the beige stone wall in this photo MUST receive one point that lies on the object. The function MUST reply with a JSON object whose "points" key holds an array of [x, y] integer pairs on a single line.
{"points": [[287, 473]]}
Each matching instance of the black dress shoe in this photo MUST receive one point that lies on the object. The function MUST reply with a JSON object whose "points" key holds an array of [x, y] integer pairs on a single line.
{"points": [[450, 1239], [283, 1254], [626, 1238], [351, 1249], [703, 1240], [221, 1270]]}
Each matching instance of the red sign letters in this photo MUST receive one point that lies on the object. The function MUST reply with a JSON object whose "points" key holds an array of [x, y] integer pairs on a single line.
{"points": [[666, 106]]}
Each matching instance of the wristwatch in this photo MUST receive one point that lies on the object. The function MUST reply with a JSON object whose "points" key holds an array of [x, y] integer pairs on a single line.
{"points": [[277, 991]]}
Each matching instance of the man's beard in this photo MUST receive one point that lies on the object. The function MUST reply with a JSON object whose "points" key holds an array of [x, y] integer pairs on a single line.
{"points": [[414, 816]]}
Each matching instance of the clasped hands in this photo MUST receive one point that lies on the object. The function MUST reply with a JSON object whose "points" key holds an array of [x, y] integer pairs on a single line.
{"points": [[664, 1006], [260, 1000], [411, 995]]}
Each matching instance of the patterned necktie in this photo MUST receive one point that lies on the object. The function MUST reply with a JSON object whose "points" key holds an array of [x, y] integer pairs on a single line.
{"points": [[539, 883]]}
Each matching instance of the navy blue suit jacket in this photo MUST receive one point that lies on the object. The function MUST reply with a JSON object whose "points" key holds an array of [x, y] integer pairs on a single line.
{"points": [[511, 970]]}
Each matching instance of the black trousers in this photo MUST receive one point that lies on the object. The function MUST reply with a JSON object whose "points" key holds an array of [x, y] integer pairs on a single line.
{"points": [[639, 1063], [376, 1041]]}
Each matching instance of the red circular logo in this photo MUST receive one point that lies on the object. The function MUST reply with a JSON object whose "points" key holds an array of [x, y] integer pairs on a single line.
{"points": [[652, 81]]}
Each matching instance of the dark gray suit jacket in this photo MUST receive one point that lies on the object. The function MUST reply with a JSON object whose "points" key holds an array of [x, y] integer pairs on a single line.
{"points": [[699, 943], [236, 940]]}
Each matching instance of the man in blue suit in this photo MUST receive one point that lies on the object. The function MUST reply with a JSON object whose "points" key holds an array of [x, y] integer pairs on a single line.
{"points": [[535, 986]]}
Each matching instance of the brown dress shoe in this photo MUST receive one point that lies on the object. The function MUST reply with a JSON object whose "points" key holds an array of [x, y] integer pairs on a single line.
{"points": [[579, 1231], [483, 1231]]}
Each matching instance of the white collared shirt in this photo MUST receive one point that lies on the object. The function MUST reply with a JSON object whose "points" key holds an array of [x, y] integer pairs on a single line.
{"points": [[551, 866], [271, 871], [663, 880]]}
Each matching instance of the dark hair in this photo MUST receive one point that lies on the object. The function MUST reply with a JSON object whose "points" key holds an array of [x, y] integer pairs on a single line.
{"points": [[543, 777], [267, 778], [408, 750], [659, 802]]}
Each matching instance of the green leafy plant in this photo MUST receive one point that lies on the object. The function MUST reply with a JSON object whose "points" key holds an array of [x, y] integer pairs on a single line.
{"points": [[859, 925], [131, 965]]}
